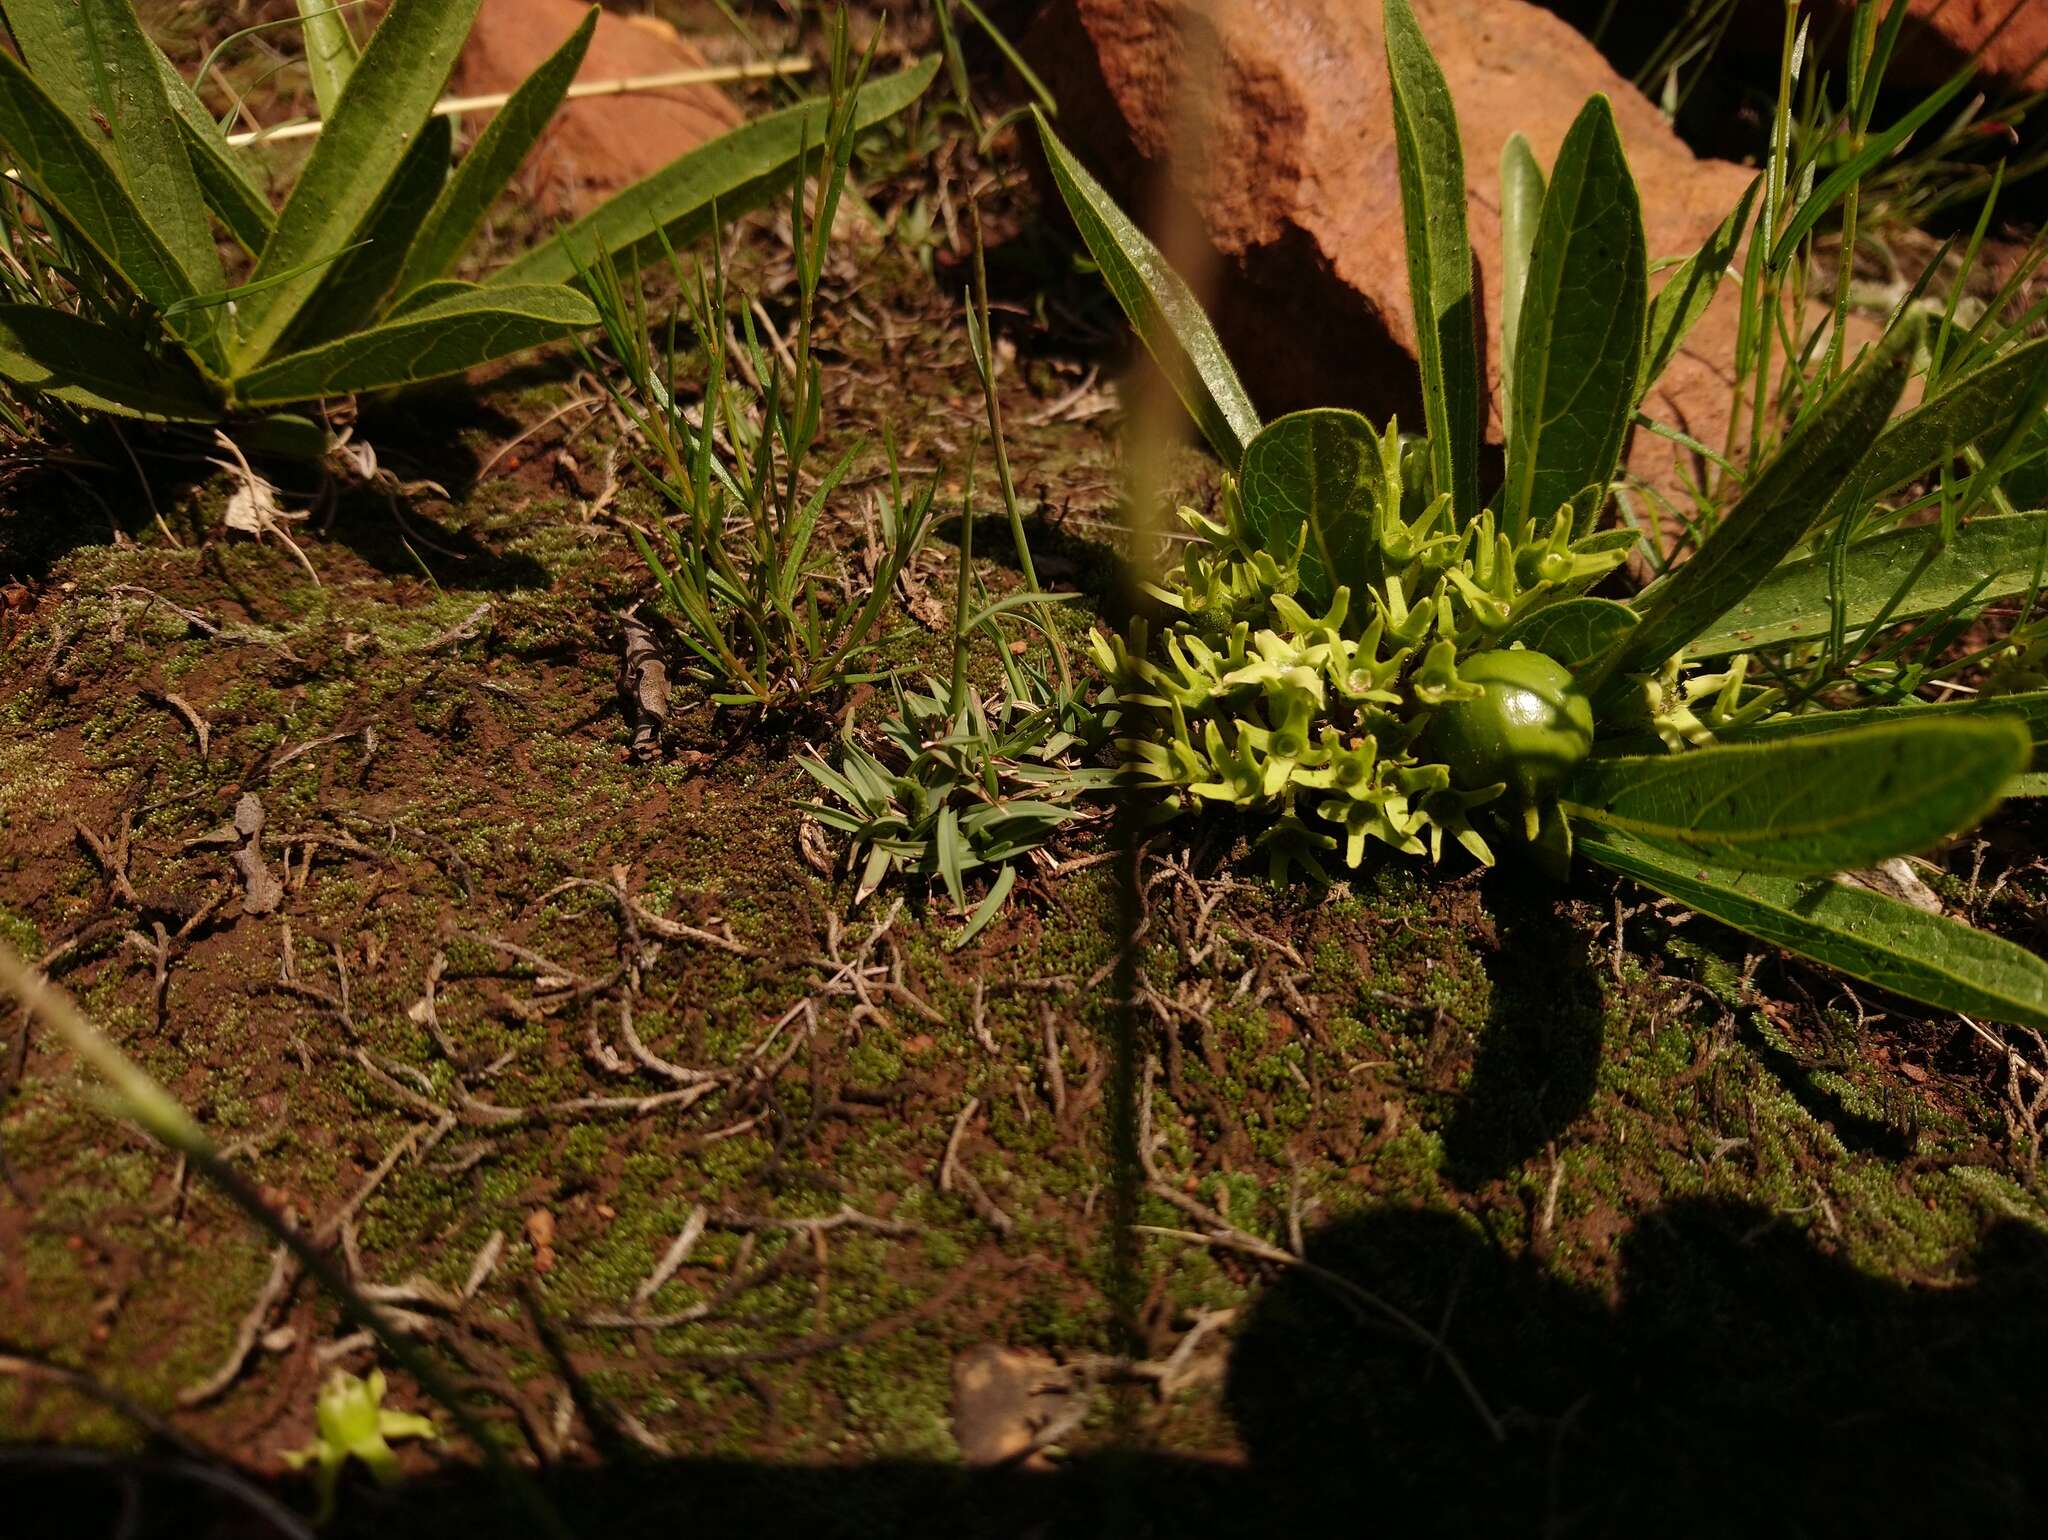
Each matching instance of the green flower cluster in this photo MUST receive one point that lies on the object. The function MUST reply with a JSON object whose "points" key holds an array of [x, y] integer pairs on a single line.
{"points": [[1317, 670]]}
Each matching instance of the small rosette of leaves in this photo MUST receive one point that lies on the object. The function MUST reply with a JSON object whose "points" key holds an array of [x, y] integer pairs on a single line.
{"points": [[965, 789]]}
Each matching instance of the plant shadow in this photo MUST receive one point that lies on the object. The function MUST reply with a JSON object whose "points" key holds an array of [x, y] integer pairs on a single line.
{"points": [[1538, 1056], [1727, 1378], [1740, 1381]]}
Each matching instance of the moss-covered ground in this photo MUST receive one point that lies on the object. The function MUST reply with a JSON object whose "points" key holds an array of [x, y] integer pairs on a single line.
{"points": [[1440, 1201]]}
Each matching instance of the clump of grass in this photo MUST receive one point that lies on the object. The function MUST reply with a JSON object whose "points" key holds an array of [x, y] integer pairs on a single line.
{"points": [[969, 782], [740, 573]]}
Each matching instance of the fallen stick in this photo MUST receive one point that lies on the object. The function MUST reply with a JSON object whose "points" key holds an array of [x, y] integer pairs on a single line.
{"points": [[452, 106]]}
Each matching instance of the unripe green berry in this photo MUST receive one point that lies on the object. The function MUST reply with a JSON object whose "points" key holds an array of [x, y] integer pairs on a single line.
{"points": [[1529, 729]]}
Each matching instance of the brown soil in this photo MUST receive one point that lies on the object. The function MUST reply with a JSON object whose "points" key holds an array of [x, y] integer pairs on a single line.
{"points": [[1681, 1235]]}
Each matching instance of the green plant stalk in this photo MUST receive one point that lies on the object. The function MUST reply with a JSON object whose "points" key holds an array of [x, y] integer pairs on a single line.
{"points": [[957, 699], [1760, 288], [986, 362], [1846, 265]]}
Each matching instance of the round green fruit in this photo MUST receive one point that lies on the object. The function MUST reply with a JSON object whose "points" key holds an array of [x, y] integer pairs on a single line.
{"points": [[1530, 729]]}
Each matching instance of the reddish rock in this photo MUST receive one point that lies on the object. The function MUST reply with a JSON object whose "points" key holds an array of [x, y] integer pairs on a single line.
{"points": [[1304, 208], [595, 146], [1942, 34]]}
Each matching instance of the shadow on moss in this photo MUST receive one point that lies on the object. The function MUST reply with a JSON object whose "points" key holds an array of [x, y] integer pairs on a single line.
{"points": [[1741, 1381]]}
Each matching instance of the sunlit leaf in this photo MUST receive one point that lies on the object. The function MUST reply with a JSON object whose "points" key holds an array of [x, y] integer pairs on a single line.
{"points": [[1309, 481], [1901, 574], [1573, 631], [1521, 208], [96, 63], [1579, 343], [735, 172], [489, 166], [353, 290], [74, 178], [330, 51], [359, 151], [1826, 803], [1978, 406], [460, 332], [224, 179], [1440, 274], [1781, 505], [1160, 306]]}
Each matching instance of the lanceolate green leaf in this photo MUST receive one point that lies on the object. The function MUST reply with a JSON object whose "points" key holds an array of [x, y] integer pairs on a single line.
{"points": [[1867, 936], [72, 176], [1827, 803], [2029, 709], [431, 294], [96, 63], [1521, 207], [1858, 932], [462, 331], [1432, 168], [356, 156], [1992, 557], [1579, 344], [1809, 469], [330, 51], [224, 181], [1573, 631], [1980, 405], [1159, 305], [491, 162], [1689, 291], [89, 365], [353, 290], [735, 172], [1308, 481]]}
